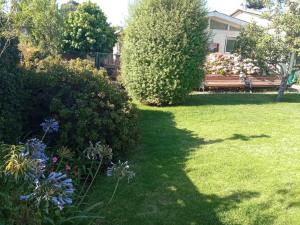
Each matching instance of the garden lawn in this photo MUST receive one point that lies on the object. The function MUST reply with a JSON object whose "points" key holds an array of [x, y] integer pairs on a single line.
{"points": [[218, 159]]}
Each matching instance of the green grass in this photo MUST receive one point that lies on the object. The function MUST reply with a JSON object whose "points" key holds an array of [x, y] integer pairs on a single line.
{"points": [[219, 159]]}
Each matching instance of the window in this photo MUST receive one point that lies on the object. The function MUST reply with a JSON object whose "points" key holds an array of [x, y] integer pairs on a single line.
{"points": [[234, 28], [218, 25], [213, 47], [230, 42]]}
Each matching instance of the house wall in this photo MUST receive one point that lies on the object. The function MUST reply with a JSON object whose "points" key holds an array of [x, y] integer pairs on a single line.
{"points": [[220, 36]]}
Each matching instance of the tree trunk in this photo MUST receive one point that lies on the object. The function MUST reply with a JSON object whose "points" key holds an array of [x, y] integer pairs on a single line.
{"points": [[282, 88], [286, 70]]}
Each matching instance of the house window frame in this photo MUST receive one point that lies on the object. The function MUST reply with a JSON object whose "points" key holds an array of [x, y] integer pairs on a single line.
{"points": [[226, 43]]}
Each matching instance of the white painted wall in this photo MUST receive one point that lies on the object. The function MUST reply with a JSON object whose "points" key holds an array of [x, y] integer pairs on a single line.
{"points": [[220, 37]]}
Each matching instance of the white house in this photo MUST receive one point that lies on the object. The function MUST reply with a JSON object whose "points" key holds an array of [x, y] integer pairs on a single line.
{"points": [[251, 16], [224, 29]]}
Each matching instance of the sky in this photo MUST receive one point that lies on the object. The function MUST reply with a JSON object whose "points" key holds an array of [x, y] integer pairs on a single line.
{"points": [[117, 10]]}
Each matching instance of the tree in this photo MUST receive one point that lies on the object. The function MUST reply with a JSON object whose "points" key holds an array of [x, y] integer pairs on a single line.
{"points": [[255, 4], [87, 30], [39, 22], [255, 42], [164, 48], [285, 18], [68, 7], [279, 44]]}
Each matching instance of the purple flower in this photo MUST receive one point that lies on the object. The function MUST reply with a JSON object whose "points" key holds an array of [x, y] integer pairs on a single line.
{"points": [[50, 126], [57, 188]]}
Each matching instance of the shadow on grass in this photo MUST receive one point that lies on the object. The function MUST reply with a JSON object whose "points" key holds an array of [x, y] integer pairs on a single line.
{"points": [[238, 99], [240, 137], [162, 192]]}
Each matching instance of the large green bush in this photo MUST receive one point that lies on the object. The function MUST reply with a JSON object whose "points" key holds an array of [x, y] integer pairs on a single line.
{"points": [[88, 106], [10, 56], [10, 87], [10, 106], [164, 49]]}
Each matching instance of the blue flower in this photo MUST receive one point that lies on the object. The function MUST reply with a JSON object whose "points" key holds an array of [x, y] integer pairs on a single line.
{"points": [[35, 150], [50, 126], [57, 188], [25, 197]]}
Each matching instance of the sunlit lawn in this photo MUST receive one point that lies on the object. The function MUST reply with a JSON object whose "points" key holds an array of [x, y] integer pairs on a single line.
{"points": [[219, 159]]}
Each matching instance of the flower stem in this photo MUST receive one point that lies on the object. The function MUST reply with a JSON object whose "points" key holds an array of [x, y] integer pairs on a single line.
{"points": [[86, 179], [46, 131], [89, 187], [113, 195]]}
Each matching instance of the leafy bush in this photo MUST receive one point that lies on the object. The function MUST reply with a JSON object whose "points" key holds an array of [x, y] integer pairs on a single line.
{"points": [[164, 49], [36, 187], [10, 56], [10, 107], [89, 106]]}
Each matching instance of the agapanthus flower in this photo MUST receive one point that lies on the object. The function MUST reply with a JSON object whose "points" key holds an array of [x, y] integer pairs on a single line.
{"points": [[57, 188], [120, 170], [50, 126], [34, 149]]}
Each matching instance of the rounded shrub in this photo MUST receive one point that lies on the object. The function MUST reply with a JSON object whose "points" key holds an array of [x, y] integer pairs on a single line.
{"points": [[89, 107], [164, 50]]}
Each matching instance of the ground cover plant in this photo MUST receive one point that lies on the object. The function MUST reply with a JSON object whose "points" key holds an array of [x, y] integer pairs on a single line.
{"points": [[217, 160]]}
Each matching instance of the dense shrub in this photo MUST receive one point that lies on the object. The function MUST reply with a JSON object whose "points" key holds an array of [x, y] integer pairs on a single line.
{"points": [[10, 87], [10, 56], [10, 106], [88, 105], [164, 49]]}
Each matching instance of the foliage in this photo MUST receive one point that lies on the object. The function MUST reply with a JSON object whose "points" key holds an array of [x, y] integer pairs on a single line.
{"points": [[68, 7], [255, 4], [87, 30], [39, 22], [28, 169], [254, 42], [10, 106], [9, 53], [164, 49], [89, 106]]}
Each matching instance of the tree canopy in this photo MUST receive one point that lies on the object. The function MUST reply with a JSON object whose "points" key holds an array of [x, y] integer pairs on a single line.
{"points": [[255, 4], [87, 29]]}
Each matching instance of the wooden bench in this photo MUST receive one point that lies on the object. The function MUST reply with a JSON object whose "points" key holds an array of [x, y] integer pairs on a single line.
{"points": [[265, 81], [216, 82], [233, 82]]}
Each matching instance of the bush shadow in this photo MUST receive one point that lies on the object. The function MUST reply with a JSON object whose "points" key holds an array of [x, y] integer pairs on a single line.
{"points": [[162, 192]]}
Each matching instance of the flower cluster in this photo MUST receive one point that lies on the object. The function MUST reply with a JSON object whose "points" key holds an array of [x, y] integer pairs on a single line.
{"points": [[50, 126], [217, 63], [56, 187], [120, 170], [98, 151]]}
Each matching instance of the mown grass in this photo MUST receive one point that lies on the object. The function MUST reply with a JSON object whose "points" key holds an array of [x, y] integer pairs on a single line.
{"points": [[218, 159]]}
